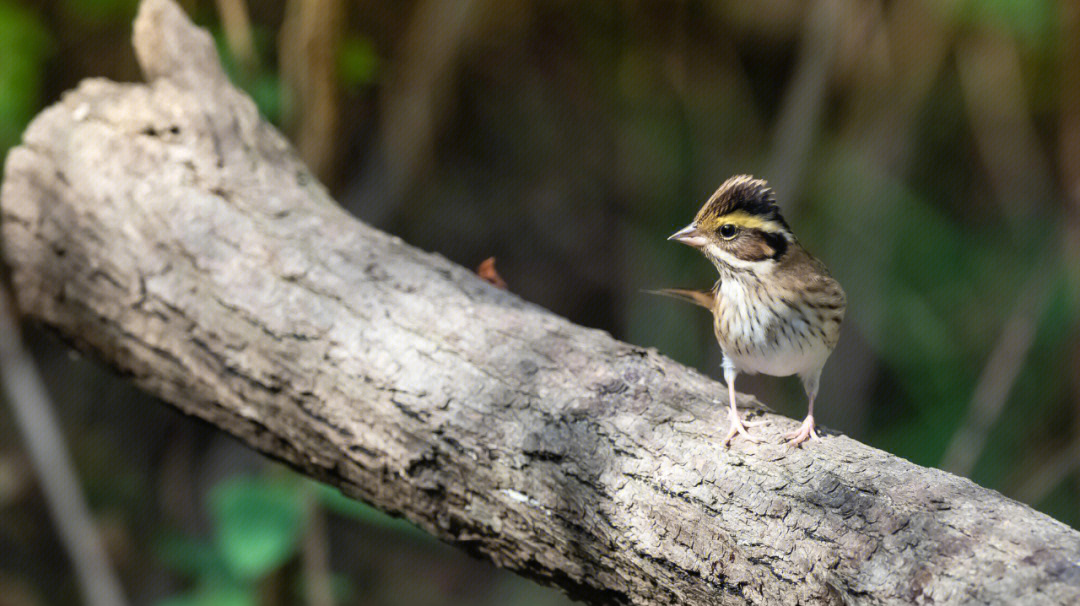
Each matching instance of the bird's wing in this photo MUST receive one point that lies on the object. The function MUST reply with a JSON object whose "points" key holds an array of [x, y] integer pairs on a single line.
{"points": [[809, 276]]}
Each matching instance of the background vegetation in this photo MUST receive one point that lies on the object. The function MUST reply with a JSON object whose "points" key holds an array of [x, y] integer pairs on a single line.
{"points": [[928, 151]]}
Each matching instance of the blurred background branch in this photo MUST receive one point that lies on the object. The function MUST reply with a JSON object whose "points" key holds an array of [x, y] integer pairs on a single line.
{"points": [[237, 27], [43, 439], [803, 103], [310, 41]]}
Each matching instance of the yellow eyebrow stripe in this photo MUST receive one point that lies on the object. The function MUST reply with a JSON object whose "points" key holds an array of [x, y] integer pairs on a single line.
{"points": [[741, 218]]}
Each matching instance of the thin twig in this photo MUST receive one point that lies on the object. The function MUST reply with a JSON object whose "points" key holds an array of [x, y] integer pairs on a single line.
{"points": [[995, 383], [34, 417]]}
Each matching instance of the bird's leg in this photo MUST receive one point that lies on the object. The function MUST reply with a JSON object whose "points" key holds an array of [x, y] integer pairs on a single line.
{"points": [[808, 430], [737, 424]]}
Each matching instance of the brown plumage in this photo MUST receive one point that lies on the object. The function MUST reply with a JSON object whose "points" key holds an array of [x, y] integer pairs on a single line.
{"points": [[776, 310]]}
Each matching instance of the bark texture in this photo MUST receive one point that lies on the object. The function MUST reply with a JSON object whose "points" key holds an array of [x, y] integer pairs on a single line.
{"points": [[166, 227]]}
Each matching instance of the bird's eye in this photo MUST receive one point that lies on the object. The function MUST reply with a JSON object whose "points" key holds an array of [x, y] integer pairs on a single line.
{"points": [[727, 231]]}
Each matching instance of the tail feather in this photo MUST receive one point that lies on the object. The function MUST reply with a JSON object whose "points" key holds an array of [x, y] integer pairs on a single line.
{"points": [[704, 298]]}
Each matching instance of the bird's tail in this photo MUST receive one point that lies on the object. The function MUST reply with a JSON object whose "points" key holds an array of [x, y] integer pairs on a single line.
{"points": [[704, 298]]}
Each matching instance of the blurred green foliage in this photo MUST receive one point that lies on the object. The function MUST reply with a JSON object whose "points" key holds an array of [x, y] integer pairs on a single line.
{"points": [[928, 290], [257, 526], [258, 523], [1032, 22], [96, 12], [24, 47]]}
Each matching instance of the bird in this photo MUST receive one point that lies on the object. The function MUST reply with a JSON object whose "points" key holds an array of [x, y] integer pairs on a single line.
{"points": [[776, 309]]}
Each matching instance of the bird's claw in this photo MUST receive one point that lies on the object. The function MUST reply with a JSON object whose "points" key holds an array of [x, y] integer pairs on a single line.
{"points": [[738, 426], [806, 431]]}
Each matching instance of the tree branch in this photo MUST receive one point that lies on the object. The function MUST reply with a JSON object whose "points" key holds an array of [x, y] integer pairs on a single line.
{"points": [[168, 228]]}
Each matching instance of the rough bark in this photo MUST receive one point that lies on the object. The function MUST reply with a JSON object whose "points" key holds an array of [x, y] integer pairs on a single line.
{"points": [[166, 227]]}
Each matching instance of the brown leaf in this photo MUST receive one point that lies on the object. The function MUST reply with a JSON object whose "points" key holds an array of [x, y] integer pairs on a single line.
{"points": [[487, 273]]}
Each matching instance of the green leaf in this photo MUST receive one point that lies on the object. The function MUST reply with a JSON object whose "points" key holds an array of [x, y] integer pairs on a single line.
{"points": [[257, 524]]}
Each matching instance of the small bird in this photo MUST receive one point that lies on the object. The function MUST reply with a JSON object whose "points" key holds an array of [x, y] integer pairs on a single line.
{"points": [[776, 310]]}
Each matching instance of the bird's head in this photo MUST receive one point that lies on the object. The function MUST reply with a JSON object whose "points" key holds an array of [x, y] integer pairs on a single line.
{"points": [[740, 227]]}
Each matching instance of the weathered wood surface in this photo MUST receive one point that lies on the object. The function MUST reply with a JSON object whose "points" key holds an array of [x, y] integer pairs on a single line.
{"points": [[169, 229]]}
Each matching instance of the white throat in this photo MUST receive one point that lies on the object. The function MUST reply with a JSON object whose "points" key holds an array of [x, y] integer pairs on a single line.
{"points": [[722, 258]]}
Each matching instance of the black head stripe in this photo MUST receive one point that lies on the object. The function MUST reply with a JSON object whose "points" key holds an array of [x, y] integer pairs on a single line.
{"points": [[776, 241]]}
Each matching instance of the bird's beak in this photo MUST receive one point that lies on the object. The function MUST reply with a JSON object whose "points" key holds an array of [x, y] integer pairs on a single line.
{"points": [[689, 236]]}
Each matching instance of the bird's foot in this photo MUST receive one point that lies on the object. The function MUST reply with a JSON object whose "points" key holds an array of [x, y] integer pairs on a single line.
{"points": [[738, 426], [807, 431]]}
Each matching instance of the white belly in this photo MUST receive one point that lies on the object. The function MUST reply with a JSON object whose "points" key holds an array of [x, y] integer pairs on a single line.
{"points": [[771, 339], [781, 362]]}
